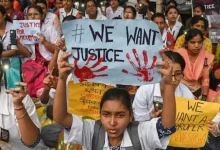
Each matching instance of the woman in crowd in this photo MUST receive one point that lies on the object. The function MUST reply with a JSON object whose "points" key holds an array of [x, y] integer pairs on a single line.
{"points": [[41, 53], [201, 24], [92, 11], [198, 64], [148, 95], [174, 26], [129, 12], [32, 2], [173, 3], [114, 10], [116, 115], [49, 18], [67, 10], [13, 14], [9, 50], [17, 115]]}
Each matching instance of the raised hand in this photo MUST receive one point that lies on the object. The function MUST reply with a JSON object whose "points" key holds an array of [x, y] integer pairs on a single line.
{"points": [[18, 94], [85, 73], [41, 37], [50, 82], [166, 69], [64, 67], [143, 73]]}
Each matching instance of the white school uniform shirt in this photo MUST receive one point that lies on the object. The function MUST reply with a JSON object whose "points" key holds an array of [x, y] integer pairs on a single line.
{"points": [[63, 13], [82, 132], [99, 16], [110, 14], [51, 36], [147, 94], [175, 30], [53, 20], [5, 39], [8, 120]]}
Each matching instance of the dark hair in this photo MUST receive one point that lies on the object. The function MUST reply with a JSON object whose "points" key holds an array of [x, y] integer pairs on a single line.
{"points": [[171, 7], [38, 8], [132, 9], [3, 11], [176, 58], [196, 19], [68, 18], [41, 1], [199, 5], [172, 1], [117, 17], [157, 15], [117, 94], [96, 5], [191, 33]]}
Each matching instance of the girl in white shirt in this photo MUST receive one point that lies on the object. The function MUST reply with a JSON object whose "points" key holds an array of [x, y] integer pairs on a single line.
{"points": [[174, 26], [92, 11], [19, 118], [49, 18], [116, 116]]}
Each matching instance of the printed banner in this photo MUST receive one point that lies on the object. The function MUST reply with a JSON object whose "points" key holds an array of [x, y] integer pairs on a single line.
{"points": [[84, 98], [211, 6], [27, 30], [114, 51], [191, 122]]}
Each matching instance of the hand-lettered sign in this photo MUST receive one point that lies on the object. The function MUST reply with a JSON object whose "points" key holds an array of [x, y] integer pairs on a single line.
{"points": [[114, 51], [84, 98], [27, 30], [211, 6], [191, 122]]}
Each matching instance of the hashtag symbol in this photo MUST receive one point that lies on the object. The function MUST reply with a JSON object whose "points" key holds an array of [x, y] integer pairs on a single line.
{"points": [[78, 33]]}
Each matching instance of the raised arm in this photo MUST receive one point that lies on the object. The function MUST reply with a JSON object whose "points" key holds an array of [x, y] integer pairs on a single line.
{"points": [[60, 113], [167, 92]]}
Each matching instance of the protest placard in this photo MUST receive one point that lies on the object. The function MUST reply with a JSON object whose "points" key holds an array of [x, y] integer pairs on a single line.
{"points": [[211, 6], [84, 98], [114, 51], [191, 122], [27, 30]]}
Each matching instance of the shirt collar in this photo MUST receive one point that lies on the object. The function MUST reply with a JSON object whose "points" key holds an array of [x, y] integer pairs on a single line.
{"points": [[126, 141]]}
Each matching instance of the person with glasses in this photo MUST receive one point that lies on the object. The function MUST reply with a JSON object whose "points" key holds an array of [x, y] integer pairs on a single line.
{"points": [[13, 14], [148, 96], [67, 10], [92, 11], [41, 53], [49, 18], [198, 64]]}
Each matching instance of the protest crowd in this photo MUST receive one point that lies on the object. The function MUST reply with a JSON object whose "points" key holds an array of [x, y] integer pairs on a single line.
{"points": [[37, 78]]}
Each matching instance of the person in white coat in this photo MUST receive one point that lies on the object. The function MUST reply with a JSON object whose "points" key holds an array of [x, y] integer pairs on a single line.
{"points": [[150, 94], [18, 118], [114, 10]]}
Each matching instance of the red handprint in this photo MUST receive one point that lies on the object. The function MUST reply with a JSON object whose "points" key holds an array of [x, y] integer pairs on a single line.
{"points": [[143, 73], [85, 73]]}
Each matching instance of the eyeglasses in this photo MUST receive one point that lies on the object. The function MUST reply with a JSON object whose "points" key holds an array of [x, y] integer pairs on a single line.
{"points": [[90, 6], [33, 14], [178, 76]]}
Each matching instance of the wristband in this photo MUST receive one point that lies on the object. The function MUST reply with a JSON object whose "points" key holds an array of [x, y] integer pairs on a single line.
{"points": [[22, 116], [20, 108]]}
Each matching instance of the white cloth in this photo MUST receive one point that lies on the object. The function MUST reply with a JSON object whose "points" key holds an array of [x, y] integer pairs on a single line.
{"points": [[82, 132], [175, 30], [110, 14], [147, 94], [99, 16], [6, 37], [8, 120], [53, 20], [51, 36], [63, 13]]}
